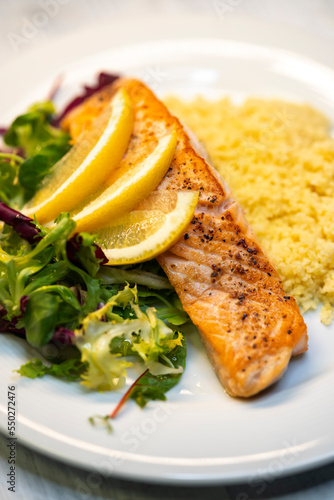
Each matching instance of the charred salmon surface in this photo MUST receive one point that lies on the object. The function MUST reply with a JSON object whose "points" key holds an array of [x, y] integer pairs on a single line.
{"points": [[225, 281]]}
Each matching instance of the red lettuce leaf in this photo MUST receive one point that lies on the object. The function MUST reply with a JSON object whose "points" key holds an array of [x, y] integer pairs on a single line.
{"points": [[26, 228], [73, 246], [63, 335], [22, 225]]}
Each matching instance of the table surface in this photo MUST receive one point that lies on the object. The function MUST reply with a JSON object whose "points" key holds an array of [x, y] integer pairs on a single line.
{"points": [[39, 477]]}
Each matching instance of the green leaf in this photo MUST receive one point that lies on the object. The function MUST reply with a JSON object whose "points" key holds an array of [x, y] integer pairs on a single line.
{"points": [[121, 346], [65, 294], [86, 252], [34, 169], [71, 369], [32, 130], [45, 274], [50, 274], [11, 192], [40, 318], [173, 315], [101, 421], [42, 146], [150, 387], [91, 296], [114, 275], [149, 338], [11, 242], [48, 307]]}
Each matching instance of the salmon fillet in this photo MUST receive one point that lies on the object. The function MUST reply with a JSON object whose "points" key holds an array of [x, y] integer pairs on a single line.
{"points": [[225, 281]]}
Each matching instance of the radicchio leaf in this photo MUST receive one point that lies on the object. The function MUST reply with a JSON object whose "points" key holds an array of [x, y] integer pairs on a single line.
{"points": [[22, 225], [73, 247], [9, 326], [23, 303], [63, 335]]}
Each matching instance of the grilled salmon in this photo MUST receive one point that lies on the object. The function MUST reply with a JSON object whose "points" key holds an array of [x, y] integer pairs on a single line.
{"points": [[225, 281]]}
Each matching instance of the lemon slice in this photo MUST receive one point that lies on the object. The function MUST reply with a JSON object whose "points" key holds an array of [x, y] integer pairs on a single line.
{"points": [[88, 164], [128, 189], [151, 229]]}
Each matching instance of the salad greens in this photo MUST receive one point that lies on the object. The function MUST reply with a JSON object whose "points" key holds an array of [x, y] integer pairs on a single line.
{"points": [[71, 369], [143, 334], [150, 387], [51, 291], [10, 191], [54, 289], [36, 145], [44, 275]]}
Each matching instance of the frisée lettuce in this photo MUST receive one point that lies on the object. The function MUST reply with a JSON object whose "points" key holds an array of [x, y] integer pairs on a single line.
{"points": [[146, 336]]}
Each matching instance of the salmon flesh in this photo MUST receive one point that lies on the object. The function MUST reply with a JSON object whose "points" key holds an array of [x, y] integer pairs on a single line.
{"points": [[225, 281]]}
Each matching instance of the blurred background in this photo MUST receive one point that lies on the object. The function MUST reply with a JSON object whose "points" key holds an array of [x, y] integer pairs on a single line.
{"points": [[26, 24]]}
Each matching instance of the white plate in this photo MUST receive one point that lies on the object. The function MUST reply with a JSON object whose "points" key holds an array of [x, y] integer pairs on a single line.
{"points": [[200, 435]]}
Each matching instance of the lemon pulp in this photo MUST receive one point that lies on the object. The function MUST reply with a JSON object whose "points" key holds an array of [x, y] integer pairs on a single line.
{"points": [[155, 225]]}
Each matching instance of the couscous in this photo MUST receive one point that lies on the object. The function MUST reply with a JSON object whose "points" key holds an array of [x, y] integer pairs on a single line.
{"points": [[278, 159]]}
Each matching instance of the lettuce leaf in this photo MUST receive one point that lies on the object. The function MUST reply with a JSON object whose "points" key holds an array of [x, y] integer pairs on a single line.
{"points": [[32, 131], [142, 333], [82, 248], [38, 145], [148, 387], [43, 275], [70, 369], [34, 169], [10, 190], [117, 275], [153, 289], [151, 387]]}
